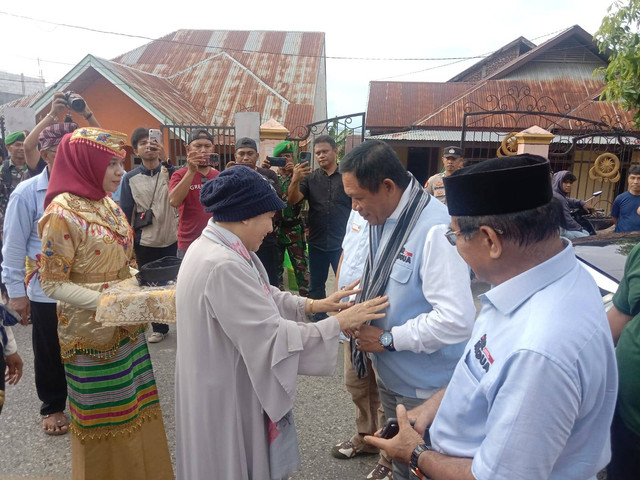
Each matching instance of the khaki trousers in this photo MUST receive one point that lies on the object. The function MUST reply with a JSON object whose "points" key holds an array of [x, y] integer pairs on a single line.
{"points": [[366, 398]]}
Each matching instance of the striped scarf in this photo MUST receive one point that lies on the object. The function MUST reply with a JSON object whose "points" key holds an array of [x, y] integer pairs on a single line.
{"points": [[376, 275]]}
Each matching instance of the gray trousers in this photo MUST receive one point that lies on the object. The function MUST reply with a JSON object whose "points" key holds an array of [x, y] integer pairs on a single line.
{"points": [[389, 401]]}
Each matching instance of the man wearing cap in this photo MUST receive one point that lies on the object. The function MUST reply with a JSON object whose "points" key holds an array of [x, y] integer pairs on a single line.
{"points": [[291, 231], [21, 278], [246, 154], [145, 191], [185, 186], [534, 393], [13, 170], [452, 160], [416, 346]]}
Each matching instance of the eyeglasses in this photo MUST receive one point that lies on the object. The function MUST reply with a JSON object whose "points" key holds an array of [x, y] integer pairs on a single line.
{"points": [[452, 236]]}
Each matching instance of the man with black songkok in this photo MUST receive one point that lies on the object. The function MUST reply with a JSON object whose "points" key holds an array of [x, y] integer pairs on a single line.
{"points": [[534, 394]]}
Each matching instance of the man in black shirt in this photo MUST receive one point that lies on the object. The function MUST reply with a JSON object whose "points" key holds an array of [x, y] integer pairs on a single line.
{"points": [[329, 209]]}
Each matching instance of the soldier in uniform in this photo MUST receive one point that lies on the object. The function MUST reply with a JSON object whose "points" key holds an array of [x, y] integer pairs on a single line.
{"points": [[12, 172], [452, 160], [291, 235]]}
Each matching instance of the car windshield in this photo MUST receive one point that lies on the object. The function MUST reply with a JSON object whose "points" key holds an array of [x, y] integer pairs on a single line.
{"points": [[606, 255]]}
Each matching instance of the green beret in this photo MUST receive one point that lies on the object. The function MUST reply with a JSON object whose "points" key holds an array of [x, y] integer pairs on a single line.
{"points": [[15, 137], [283, 147]]}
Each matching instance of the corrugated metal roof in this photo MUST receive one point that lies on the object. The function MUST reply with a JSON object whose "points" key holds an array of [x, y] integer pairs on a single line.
{"points": [[397, 105], [568, 96], [479, 136], [20, 102], [159, 92], [258, 70]]}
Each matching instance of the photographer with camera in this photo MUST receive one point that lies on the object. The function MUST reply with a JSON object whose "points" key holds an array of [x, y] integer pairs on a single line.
{"points": [[62, 101], [144, 199]]}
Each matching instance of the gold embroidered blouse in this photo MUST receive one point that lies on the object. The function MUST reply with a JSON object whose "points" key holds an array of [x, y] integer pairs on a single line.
{"points": [[86, 248]]}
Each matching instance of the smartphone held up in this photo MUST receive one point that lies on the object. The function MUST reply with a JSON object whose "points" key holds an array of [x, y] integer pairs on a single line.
{"points": [[277, 161]]}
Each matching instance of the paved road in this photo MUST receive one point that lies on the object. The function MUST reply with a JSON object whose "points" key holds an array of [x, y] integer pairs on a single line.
{"points": [[323, 411]]}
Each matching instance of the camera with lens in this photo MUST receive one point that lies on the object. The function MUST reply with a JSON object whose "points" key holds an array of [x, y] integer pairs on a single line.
{"points": [[76, 104]]}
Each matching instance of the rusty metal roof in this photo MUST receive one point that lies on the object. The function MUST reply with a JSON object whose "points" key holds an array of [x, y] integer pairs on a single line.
{"points": [[397, 105], [562, 96], [222, 72], [158, 91]]}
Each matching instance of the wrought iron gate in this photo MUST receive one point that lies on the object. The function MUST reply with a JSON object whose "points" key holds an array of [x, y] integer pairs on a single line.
{"points": [[579, 142], [347, 130], [223, 141]]}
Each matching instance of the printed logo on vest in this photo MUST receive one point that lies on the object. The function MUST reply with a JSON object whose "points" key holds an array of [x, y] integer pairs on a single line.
{"points": [[482, 353], [405, 256], [355, 227]]}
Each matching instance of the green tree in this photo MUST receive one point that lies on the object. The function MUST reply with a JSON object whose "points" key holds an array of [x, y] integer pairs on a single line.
{"points": [[619, 37]]}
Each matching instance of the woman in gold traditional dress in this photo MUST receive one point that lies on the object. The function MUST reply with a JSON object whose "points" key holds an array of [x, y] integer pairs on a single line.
{"points": [[116, 422]]}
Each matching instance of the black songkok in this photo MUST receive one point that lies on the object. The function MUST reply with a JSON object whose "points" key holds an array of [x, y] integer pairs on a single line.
{"points": [[498, 186]]}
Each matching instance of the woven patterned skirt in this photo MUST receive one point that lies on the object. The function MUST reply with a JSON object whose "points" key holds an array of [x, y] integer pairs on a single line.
{"points": [[116, 421]]}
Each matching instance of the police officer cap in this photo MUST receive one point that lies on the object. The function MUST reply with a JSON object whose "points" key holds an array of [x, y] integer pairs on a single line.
{"points": [[498, 186], [455, 152]]}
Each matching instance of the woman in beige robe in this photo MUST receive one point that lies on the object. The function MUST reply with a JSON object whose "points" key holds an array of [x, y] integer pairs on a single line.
{"points": [[242, 342]]}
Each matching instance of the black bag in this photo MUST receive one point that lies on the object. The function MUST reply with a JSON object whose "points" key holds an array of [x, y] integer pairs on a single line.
{"points": [[143, 219]]}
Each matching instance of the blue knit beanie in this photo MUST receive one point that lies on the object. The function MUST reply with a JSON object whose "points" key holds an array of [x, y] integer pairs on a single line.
{"points": [[239, 193]]}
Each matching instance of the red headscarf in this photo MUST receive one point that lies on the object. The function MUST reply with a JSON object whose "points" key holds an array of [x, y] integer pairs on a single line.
{"points": [[81, 162]]}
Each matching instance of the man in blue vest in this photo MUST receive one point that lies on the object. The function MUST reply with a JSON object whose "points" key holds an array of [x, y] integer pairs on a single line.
{"points": [[535, 391], [416, 346]]}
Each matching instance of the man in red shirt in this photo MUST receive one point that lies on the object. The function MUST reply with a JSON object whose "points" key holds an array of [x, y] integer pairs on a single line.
{"points": [[185, 186]]}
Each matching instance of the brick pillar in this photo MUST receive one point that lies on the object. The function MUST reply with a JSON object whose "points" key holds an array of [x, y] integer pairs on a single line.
{"points": [[271, 134], [535, 141]]}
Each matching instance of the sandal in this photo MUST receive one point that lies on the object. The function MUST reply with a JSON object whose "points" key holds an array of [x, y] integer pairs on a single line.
{"points": [[55, 424]]}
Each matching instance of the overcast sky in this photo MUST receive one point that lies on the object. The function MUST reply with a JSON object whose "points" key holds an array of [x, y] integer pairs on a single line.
{"points": [[374, 29]]}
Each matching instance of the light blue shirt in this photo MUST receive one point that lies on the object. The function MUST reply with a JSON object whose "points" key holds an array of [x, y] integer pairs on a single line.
{"points": [[21, 240], [355, 248], [431, 310], [115, 196], [534, 392]]}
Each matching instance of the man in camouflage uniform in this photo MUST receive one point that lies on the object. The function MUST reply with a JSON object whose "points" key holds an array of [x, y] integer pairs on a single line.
{"points": [[12, 171], [291, 235]]}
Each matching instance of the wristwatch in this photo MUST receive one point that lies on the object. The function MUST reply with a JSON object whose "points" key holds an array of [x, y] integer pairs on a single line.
{"points": [[386, 340], [413, 465]]}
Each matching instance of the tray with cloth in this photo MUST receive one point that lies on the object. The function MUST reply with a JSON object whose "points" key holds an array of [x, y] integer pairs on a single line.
{"points": [[147, 297]]}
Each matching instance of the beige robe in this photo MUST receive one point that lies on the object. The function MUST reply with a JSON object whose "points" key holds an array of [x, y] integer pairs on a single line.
{"points": [[239, 353]]}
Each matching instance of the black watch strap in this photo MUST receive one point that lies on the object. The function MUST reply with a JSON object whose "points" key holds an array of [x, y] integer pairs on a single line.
{"points": [[415, 470]]}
